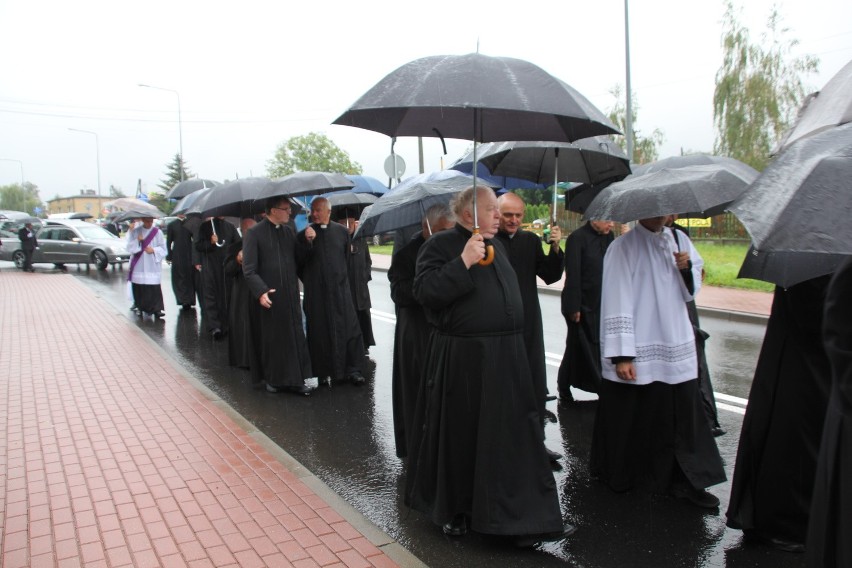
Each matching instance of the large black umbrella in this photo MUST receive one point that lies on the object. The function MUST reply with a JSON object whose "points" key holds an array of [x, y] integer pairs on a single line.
{"points": [[801, 201], [188, 186], [694, 190], [232, 199], [188, 202], [306, 183], [788, 268], [476, 97]]}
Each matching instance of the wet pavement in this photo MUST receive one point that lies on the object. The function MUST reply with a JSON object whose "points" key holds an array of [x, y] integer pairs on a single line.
{"points": [[344, 436]]}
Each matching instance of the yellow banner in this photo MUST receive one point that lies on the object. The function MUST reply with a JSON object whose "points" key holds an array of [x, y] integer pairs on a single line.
{"points": [[708, 222]]}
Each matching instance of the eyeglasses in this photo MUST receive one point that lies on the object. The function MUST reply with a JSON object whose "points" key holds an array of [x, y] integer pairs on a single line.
{"points": [[281, 208]]}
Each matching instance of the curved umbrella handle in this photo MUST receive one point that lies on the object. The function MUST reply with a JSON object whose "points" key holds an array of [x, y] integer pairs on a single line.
{"points": [[489, 251]]}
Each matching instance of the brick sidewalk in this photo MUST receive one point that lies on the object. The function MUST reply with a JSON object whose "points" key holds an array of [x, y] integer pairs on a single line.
{"points": [[110, 456]]}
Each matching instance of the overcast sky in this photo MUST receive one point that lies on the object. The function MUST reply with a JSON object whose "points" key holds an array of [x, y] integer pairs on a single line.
{"points": [[253, 73]]}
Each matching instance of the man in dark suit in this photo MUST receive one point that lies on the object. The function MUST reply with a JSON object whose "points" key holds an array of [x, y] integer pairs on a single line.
{"points": [[28, 245]]}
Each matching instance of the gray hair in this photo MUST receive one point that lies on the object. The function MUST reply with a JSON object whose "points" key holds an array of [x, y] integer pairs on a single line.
{"points": [[437, 212], [464, 200]]}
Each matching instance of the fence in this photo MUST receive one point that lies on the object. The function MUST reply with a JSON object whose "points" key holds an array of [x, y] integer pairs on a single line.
{"points": [[722, 227]]}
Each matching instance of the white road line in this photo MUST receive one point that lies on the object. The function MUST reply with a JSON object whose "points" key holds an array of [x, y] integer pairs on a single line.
{"points": [[555, 359]]}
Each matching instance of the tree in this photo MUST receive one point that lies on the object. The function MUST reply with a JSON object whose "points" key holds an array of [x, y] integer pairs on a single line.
{"points": [[115, 192], [173, 173], [310, 152], [758, 90], [19, 197], [645, 148]]}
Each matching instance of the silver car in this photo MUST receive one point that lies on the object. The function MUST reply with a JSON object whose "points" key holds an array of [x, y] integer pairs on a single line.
{"points": [[70, 241]]}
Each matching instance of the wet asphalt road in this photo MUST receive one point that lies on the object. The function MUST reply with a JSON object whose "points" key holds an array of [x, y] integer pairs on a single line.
{"points": [[344, 435]]}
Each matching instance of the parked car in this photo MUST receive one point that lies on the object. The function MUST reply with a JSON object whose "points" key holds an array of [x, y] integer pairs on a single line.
{"points": [[70, 241]]}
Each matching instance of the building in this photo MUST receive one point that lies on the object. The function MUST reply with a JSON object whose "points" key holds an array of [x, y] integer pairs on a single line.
{"points": [[87, 202]]}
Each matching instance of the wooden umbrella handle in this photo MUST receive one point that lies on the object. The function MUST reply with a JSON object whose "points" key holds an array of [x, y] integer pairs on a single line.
{"points": [[489, 252]]}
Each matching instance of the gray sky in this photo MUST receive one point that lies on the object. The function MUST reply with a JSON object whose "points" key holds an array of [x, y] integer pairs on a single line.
{"points": [[253, 73]]}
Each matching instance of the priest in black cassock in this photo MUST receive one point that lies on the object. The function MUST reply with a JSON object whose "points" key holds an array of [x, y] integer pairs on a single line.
{"points": [[411, 333], [830, 526], [782, 428], [279, 357], [334, 335], [480, 461], [240, 302], [360, 274], [581, 307], [530, 263], [184, 275], [214, 236]]}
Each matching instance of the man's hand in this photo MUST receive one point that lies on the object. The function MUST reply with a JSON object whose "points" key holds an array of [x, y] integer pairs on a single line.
{"points": [[240, 258], [214, 239], [149, 249], [310, 234], [474, 250], [625, 371], [555, 235], [264, 299], [140, 238], [575, 317], [681, 260], [198, 267]]}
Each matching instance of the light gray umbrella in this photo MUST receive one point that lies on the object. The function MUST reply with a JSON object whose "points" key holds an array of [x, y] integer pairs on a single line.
{"points": [[188, 186], [829, 107], [801, 201], [694, 190], [139, 214], [131, 204]]}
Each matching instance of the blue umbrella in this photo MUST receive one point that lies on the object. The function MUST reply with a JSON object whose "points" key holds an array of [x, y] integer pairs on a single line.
{"points": [[367, 184]]}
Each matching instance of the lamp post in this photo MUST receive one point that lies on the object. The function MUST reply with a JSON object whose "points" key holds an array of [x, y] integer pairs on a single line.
{"points": [[20, 163], [97, 158], [180, 124]]}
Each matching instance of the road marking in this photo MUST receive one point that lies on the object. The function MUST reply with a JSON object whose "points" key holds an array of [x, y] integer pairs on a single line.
{"points": [[555, 359]]}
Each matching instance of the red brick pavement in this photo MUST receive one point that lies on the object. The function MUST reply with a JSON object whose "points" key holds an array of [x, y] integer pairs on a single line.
{"points": [[110, 456]]}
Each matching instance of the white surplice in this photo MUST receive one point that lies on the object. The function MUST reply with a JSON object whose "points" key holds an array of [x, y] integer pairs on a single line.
{"points": [[643, 309], [148, 269]]}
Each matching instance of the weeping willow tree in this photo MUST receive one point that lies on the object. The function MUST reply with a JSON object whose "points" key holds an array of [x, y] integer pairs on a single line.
{"points": [[758, 89]]}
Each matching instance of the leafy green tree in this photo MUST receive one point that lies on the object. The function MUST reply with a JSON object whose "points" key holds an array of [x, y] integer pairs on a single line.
{"points": [[758, 89], [645, 148], [159, 201], [18, 197], [310, 152], [173, 173]]}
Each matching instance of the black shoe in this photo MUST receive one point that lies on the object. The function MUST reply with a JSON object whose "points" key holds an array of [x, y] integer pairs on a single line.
{"points": [[775, 542], [456, 527], [698, 497], [187, 307], [717, 431], [273, 388], [303, 390], [566, 397], [216, 333], [553, 456], [159, 315], [357, 379], [530, 540], [549, 398]]}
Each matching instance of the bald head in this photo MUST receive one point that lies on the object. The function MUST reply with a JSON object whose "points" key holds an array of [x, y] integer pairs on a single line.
{"points": [[511, 212]]}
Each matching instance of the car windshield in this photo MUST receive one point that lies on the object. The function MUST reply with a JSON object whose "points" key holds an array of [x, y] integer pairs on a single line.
{"points": [[94, 232]]}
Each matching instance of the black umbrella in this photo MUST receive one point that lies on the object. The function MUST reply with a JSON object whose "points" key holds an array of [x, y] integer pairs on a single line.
{"points": [[188, 186], [188, 202], [788, 268], [694, 191], [345, 204], [801, 201], [476, 97], [735, 166], [232, 199], [306, 183]]}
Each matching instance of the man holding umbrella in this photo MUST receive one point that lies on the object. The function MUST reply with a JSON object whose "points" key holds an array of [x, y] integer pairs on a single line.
{"points": [[480, 460]]}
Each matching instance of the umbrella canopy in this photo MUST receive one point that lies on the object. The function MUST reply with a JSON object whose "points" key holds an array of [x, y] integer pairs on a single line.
{"points": [[131, 204], [188, 186], [347, 204], [672, 162], [406, 204], [367, 184], [694, 190], [787, 269], [476, 97], [465, 165], [232, 199], [186, 203], [139, 213], [306, 183], [829, 107], [591, 160], [800, 202]]}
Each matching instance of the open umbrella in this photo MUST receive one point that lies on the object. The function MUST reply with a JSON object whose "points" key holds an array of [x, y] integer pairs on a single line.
{"points": [[829, 107], [367, 184], [131, 204], [188, 186], [787, 269], [345, 204], [694, 190], [476, 97], [801, 201], [139, 213], [306, 183], [232, 199], [188, 202]]}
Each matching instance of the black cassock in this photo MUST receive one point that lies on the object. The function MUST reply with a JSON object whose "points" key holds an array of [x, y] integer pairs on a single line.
{"points": [[529, 261], [215, 293], [480, 450], [360, 265], [185, 277], [334, 335], [581, 363], [830, 528], [239, 304], [779, 442], [409, 342], [279, 354]]}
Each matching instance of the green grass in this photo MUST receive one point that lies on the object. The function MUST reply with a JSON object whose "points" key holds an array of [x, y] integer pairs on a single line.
{"points": [[721, 265]]}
